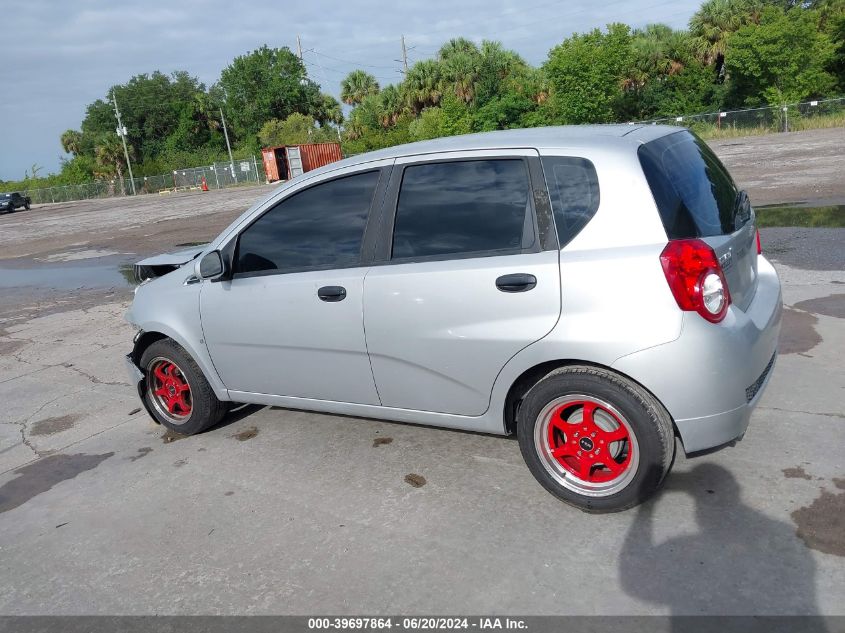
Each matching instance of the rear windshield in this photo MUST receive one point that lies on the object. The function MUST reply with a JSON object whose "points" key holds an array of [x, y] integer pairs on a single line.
{"points": [[695, 194]]}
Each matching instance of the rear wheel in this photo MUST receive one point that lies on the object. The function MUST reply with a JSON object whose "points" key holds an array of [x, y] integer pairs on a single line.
{"points": [[595, 439], [177, 393], [26, 206]]}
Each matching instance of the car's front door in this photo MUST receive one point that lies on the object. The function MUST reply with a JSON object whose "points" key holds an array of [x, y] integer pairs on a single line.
{"points": [[469, 276], [290, 321]]}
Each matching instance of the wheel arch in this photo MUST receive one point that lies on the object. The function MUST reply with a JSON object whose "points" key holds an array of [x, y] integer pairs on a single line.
{"points": [[147, 337], [531, 376]]}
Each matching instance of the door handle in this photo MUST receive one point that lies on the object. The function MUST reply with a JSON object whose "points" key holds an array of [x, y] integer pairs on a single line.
{"points": [[332, 293], [516, 282]]}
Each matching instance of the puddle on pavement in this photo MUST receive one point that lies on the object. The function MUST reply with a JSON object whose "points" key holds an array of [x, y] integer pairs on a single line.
{"points": [[812, 217], [95, 273], [42, 475], [798, 332], [821, 525], [51, 426], [832, 305]]}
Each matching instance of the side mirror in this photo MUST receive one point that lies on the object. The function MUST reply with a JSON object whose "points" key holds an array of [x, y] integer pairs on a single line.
{"points": [[211, 266]]}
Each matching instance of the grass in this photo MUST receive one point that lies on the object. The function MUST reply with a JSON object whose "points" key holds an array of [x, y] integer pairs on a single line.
{"points": [[813, 217], [797, 123]]}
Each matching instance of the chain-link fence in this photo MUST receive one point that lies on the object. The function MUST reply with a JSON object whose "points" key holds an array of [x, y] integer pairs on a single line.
{"points": [[788, 117], [216, 176]]}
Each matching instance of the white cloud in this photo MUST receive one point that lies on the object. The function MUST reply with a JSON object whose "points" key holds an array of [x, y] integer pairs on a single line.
{"points": [[67, 54]]}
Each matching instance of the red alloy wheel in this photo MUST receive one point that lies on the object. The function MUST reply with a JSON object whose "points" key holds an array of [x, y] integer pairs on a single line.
{"points": [[170, 390], [583, 448], [586, 445]]}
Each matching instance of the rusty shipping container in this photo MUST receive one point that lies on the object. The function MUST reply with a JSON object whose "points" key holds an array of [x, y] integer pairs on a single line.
{"points": [[286, 161]]}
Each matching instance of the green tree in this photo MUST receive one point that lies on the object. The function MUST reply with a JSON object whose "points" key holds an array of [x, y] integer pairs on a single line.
{"points": [[110, 158], [391, 105], [423, 85], [294, 130], [715, 21], [71, 141], [268, 83], [781, 60], [659, 51], [836, 28], [327, 110], [357, 86], [428, 125], [587, 73]]}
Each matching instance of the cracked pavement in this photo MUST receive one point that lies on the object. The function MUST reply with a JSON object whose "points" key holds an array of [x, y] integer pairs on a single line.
{"points": [[279, 511], [288, 512]]}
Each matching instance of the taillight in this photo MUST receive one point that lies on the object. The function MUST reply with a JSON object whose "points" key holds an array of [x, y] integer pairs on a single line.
{"points": [[759, 247], [696, 279]]}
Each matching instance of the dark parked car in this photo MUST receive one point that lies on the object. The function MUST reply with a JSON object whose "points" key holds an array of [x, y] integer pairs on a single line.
{"points": [[11, 201]]}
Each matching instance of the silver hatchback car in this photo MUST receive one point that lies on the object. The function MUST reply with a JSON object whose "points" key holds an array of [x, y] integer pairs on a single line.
{"points": [[599, 291]]}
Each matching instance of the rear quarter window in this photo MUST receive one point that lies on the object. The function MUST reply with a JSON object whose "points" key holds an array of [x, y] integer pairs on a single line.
{"points": [[694, 193], [574, 191]]}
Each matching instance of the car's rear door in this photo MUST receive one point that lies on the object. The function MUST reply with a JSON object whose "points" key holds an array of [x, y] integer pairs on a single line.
{"points": [[289, 322], [466, 275]]}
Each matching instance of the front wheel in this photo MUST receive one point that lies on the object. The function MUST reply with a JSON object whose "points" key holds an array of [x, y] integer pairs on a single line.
{"points": [[595, 439], [26, 206], [177, 392]]}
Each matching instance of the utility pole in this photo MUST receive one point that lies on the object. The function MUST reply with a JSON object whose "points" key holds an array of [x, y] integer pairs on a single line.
{"points": [[299, 47], [121, 132], [404, 56], [228, 147]]}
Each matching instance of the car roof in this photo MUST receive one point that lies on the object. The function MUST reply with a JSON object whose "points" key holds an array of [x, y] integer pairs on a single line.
{"points": [[567, 136]]}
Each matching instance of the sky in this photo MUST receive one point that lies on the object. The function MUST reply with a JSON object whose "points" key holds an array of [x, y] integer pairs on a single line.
{"points": [[64, 54]]}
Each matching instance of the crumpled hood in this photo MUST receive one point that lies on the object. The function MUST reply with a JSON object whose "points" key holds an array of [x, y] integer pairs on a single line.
{"points": [[159, 265]]}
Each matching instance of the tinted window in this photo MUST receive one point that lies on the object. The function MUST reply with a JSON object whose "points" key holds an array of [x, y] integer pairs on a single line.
{"points": [[463, 207], [574, 190], [320, 227], [695, 195]]}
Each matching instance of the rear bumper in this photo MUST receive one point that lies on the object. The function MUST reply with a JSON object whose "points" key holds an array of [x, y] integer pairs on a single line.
{"points": [[712, 376]]}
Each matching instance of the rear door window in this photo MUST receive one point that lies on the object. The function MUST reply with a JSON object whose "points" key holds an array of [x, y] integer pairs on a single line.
{"points": [[574, 191], [694, 193], [456, 208]]}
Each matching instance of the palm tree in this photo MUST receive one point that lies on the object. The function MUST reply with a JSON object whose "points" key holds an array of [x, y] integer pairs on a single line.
{"points": [[533, 83], [460, 72], [422, 85], [358, 85], [496, 67], [715, 21], [71, 141], [659, 51], [457, 46], [110, 157], [366, 115], [391, 103]]}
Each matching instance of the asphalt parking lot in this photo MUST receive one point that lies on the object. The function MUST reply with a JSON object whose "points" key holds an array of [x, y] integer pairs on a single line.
{"points": [[286, 512]]}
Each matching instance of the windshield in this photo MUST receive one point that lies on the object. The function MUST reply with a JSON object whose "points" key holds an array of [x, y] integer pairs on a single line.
{"points": [[5, 195]]}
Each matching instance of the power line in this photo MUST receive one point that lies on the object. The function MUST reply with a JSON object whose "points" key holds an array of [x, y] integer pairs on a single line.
{"points": [[352, 62]]}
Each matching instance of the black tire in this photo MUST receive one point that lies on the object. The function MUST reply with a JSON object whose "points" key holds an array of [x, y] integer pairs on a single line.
{"points": [[205, 409], [648, 446], [26, 206]]}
